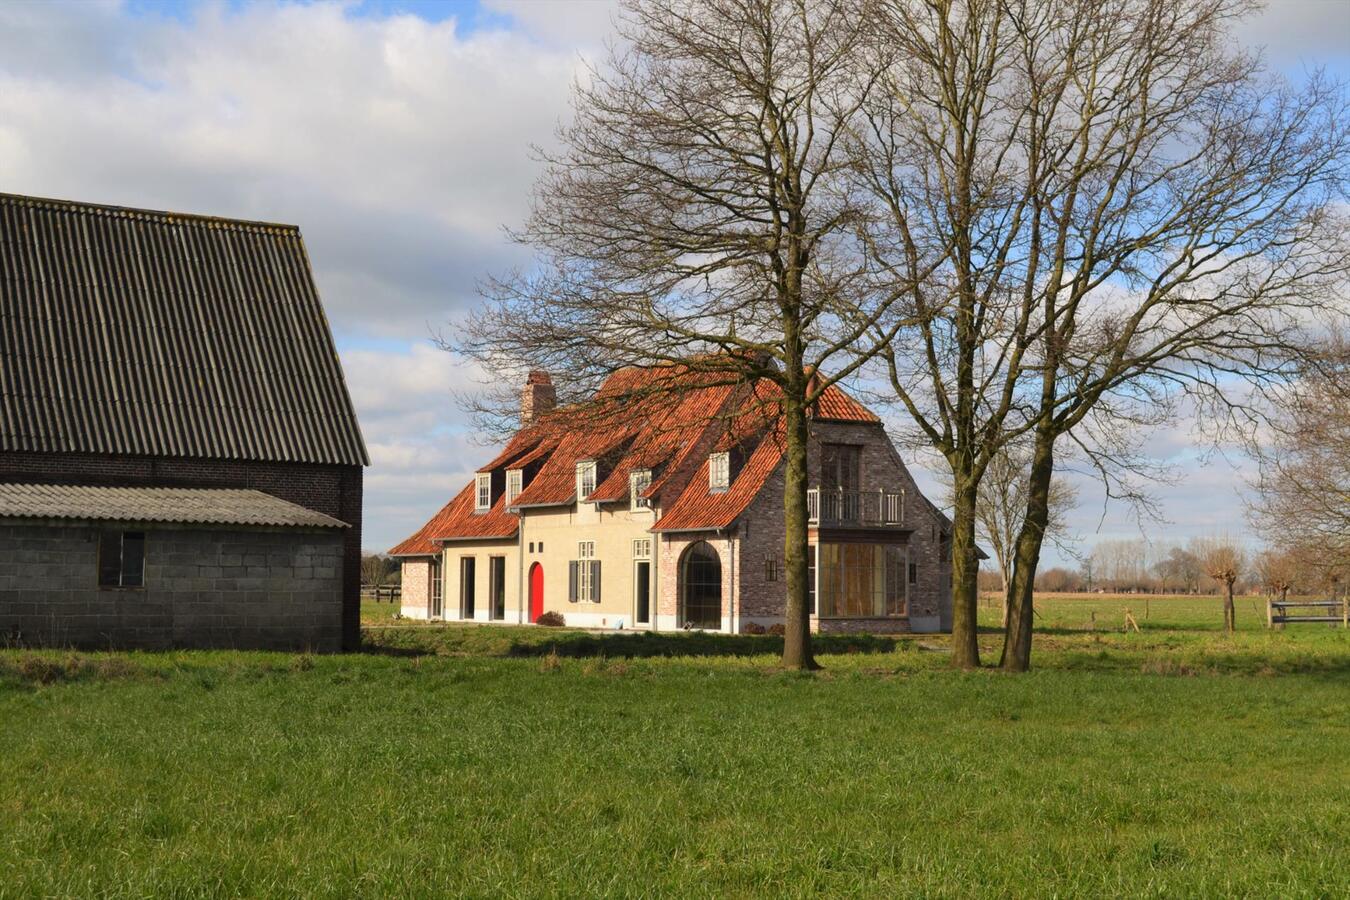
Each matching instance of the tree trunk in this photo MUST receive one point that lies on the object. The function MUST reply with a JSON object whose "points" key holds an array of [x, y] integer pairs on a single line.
{"points": [[1017, 633], [965, 575], [1229, 614], [797, 625]]}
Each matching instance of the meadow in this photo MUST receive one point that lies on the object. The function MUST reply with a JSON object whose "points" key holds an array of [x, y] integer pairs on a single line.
{"points": [[475, 760]]}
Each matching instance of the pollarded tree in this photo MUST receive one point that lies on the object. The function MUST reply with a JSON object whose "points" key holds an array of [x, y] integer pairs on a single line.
{"points": [[1222, 559], [699, 213], [1127, 210]]}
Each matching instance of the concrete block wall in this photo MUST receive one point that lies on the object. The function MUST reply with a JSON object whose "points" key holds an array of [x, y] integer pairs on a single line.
{"points": [[246, 589], [334, 490]]}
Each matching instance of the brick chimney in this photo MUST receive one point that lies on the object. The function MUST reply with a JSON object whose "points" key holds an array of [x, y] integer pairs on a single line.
{"points": [[537, 398]]}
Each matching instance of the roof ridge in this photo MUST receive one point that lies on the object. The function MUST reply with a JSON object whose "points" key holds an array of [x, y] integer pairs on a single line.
{"points": [[132, 212]]}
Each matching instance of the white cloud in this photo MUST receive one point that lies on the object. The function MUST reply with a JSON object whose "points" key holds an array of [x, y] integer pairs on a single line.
{"points": [[399, 146]]}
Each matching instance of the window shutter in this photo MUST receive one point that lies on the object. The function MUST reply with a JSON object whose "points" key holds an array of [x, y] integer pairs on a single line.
{"points": [[572, 581], [595, 581]]}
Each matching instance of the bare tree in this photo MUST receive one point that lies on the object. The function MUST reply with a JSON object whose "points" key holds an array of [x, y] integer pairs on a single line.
{"points": [[1144, 214], [1178, 570], [1304, 483], [1278, 571], [1116, 208], [376, 570], [1001, 502], [1222, 559], [699, 213]]}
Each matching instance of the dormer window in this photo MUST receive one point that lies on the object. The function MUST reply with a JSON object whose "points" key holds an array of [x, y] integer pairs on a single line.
{"points": [[514, 480], [638, 482], [483, 492], [585, 479], [719, 472]]}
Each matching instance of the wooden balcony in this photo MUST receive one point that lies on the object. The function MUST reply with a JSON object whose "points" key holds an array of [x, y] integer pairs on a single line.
{"points": [[864, 509]]}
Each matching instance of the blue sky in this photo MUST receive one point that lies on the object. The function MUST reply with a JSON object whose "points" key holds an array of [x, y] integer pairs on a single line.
{"points": [[396, 134]]}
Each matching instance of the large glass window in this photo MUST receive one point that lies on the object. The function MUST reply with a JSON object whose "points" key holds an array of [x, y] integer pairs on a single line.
{"points": [[701, 588], [861, 580]]}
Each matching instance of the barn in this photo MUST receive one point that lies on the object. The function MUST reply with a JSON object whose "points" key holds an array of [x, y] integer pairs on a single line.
{"points": [[180, 460]]}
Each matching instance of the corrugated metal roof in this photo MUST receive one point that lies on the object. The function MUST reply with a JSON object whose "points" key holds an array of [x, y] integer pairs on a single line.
{"points": [[141, 332], [202, 506]]}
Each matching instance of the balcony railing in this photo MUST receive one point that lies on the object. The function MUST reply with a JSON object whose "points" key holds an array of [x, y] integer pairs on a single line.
{"points": [[840, 507]]}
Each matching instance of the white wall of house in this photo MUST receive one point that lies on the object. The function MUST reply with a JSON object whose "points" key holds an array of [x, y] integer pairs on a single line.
{"points": [[551, 535]]}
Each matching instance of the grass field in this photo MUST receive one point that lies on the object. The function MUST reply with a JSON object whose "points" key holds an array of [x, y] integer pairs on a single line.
{"points": [[528, 762]]}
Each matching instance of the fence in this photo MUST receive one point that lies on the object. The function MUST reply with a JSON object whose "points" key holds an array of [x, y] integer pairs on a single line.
{"points": [[392, 593], [1277, 611]]}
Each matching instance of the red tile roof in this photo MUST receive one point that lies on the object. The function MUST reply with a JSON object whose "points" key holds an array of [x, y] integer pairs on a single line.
{"points": [[458, 520], [699, 509], [644, 427]]}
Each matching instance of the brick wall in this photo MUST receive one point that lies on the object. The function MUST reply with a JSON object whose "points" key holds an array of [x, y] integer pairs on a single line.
{"points": [[330, 489], [760, 536], [415, 588], [248, 589]]}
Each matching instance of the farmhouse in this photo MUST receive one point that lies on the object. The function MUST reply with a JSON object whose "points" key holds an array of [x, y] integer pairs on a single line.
{"points": [[663, 510], [180, 462]]}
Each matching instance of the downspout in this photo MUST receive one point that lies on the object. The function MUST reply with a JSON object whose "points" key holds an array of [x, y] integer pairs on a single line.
{"points": [[520, 568]]}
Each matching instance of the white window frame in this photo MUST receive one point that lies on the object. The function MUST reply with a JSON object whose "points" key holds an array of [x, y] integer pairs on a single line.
{"points": [[482, 494], [642, 548], [719, 471], [585, 479], [514, 480], [585, 585], [638, 481]]}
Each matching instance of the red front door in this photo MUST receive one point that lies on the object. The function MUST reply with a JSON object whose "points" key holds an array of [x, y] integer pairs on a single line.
{"points": [[536, 592]]}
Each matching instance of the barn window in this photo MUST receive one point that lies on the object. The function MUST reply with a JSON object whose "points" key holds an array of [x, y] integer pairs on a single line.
{"points": [[121, 559]]}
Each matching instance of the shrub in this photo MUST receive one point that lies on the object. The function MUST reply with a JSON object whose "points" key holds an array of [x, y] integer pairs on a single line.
{"points": [[551, 619], [777, 629], [753, 628]]}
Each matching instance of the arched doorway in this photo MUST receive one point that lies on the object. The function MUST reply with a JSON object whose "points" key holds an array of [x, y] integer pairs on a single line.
{"points": [[536, 592], [701, 587]]}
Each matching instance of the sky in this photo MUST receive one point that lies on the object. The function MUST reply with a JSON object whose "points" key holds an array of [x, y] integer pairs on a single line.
{"points": [[397, 135]]}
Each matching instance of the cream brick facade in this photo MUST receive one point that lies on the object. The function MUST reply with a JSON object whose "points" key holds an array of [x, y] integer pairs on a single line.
{"points": [[549, 536]]}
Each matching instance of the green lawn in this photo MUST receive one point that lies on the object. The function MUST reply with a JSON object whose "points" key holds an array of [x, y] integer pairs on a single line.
{"points": [[498, 761]]}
